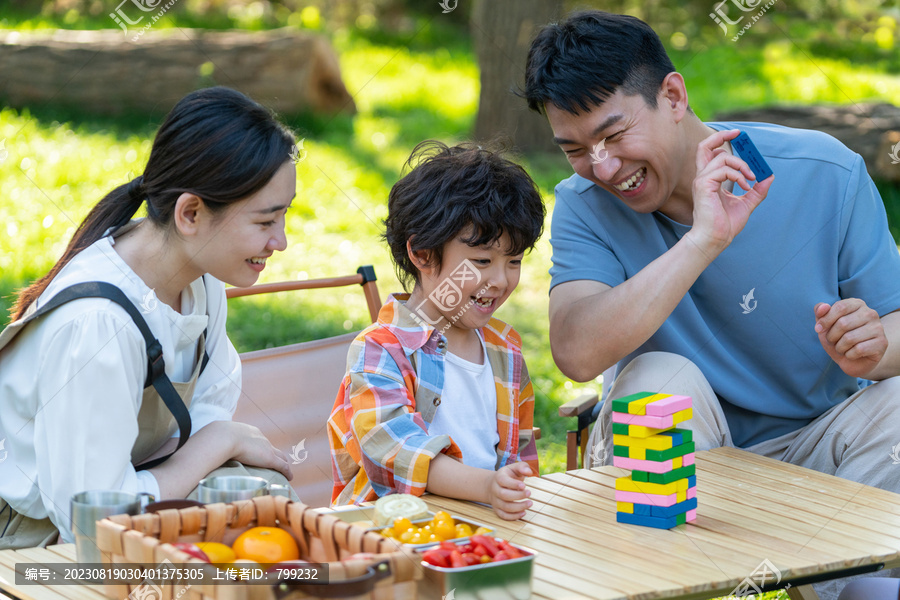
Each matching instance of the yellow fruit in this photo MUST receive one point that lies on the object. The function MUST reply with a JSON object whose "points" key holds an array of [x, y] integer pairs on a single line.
{"points": [[402, 524], [387, 532], [445, 530], [463, 530], [442, 515], [406, 537], [217, 553], [266, 545], [482, 531]]}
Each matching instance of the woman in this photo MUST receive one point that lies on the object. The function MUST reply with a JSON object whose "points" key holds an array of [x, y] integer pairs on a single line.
{"points": [[76, 405]]}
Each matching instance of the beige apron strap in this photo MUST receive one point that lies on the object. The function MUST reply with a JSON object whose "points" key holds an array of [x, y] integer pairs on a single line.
{"points": [[156, 424]]}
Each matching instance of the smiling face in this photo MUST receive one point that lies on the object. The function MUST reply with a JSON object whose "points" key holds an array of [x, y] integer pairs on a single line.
{"points": [[468, 287], [234, 245], [626, 147]]}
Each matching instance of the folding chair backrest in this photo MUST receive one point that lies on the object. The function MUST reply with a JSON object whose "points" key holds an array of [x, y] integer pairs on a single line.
{"points": [[288, 391]]}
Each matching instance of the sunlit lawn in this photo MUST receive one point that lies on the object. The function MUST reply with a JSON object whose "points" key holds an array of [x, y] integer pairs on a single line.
{"points": [[59, 165]]}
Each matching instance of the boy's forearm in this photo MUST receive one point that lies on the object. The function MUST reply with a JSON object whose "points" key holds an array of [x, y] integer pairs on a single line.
{"points": [[450, 478]]}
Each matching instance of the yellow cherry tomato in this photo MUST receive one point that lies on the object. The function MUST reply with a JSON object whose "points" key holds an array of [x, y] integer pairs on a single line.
{"points": [[442, 515], [445, 530], [406, 537], [388, 532], [402, 524], [463, 530], [482, 531]]}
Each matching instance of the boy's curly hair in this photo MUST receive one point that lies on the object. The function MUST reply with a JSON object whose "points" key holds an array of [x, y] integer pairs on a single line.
{"points": [[466, 190]]}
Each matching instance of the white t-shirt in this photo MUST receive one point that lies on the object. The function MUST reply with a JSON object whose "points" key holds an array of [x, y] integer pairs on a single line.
{"points": [[468, 410], [71, 385]]}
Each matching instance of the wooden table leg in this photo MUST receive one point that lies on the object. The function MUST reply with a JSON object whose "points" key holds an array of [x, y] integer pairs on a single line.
{"points": [[803, 592]]}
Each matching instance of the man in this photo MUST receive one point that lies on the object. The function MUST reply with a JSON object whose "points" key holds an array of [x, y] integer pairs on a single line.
{"points": [[772, 303]]}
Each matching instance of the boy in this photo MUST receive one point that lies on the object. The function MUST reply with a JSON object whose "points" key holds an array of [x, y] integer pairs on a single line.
{"points": [[437, 397]]}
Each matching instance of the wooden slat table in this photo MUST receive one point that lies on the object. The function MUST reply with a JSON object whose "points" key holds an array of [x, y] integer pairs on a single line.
{"points": [[751, 509]]}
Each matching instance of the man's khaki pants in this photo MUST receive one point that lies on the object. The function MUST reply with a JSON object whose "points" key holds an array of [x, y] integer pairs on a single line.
{"points": [[858, 439]]}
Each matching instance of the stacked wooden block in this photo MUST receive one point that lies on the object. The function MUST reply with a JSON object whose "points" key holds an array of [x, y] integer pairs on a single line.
{"points": [[661, 490]]}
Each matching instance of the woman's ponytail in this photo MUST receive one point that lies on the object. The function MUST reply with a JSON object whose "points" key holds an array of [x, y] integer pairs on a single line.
{"points": [[114, 210]]}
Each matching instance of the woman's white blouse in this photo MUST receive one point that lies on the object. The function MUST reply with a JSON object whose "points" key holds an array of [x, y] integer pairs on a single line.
{"points": [[71, 385]]}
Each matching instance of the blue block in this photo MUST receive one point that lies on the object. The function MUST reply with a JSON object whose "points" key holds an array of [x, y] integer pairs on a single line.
{"points": [[643, 510], [668, 511], [657, 522], [692, 481]]}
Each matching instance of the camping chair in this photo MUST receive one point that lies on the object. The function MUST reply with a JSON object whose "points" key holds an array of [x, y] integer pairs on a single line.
{"points": [[586, 408], [288, 391]]}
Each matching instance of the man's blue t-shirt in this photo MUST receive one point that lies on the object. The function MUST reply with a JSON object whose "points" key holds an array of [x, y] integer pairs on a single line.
{"points": [[819, 236]]}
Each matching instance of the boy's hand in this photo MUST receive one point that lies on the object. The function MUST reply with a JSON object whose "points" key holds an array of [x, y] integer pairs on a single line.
{"points": [[507, 492]]}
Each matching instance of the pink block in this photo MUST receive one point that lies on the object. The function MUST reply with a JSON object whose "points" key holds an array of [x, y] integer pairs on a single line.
{"points": [[655, 422], [687, 460], [692, 492], [669, 405], [639, 498], [690, 515], [636, 464]]}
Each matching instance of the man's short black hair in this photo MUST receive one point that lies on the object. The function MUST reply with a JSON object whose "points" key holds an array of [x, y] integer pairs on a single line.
{"points": [[580, 62], [464, 190]]}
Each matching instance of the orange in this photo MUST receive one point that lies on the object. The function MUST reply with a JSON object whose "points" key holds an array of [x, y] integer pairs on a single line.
{"points": [[217, 553], [266, 545]]}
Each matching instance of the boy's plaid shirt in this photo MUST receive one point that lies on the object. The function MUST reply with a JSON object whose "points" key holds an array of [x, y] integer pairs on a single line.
{"points": [[387, 399]]}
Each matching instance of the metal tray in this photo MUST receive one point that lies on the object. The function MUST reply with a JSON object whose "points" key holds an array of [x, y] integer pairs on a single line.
{"points": [[456, 519], [355, 514], [506, 580]]}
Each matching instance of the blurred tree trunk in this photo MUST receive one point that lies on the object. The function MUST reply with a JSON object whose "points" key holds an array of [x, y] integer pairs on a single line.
{"points": [[502, 31]]}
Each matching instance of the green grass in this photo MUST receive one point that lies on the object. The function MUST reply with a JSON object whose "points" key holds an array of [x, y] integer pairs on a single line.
{"points": [[408, 86]]}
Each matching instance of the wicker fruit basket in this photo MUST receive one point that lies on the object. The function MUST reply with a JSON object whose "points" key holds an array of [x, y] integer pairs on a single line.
{"points": [[146, 541]]}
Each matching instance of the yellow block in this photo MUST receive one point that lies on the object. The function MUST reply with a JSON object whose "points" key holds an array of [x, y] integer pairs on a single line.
{"points": [[654, 442], [682, 416], [643, 432], [676, 462], [681, 496], [625, 507], [639, 407], [626, 484]]}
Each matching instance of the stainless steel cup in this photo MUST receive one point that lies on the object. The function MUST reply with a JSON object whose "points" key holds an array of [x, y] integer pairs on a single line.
{"points": [[89, 507], [228, 488]]}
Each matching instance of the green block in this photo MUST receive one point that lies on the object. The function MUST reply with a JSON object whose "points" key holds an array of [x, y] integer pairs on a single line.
{"points": [[620, 428], [639, 476], [679, 450], [681, 518], [621, 405], [620, 451], [686, 435], [671, 476]]}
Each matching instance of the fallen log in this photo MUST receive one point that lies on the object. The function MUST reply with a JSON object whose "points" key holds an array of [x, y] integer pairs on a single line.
{"points": [[148, 71], [872, 130]]}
